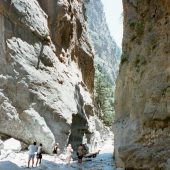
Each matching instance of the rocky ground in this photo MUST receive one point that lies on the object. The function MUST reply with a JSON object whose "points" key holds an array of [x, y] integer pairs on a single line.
{"points": [[103, 161]]}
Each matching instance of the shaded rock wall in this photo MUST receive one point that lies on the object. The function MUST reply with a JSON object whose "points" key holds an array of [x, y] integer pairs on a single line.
{"points": [[142, 122], [46, 71]]}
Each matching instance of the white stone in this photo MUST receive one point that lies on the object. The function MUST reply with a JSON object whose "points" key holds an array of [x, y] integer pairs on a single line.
{"points": [[12, 144]]}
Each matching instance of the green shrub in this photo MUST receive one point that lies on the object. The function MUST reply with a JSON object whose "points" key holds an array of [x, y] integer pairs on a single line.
{"points": [[139, 28], [124, 57], [104, 95]]}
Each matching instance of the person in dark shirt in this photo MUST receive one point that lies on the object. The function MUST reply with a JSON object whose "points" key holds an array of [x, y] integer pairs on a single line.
{"points": [[55, 151], [80, 153], [39, 154]]}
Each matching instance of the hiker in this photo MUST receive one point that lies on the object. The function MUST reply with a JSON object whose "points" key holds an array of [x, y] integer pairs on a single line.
{"points": [[85, 149], [80, 153], [31, 153], [56, 151], [69, 153], [39, 154]]}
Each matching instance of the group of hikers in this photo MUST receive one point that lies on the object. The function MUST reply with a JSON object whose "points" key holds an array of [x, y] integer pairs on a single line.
{"points": [[33, 150], [36, 151]]}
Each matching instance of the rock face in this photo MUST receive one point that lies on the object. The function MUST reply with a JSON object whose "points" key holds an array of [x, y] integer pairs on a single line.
{"points": [[142, 122], [46, 72], [106, 59]]}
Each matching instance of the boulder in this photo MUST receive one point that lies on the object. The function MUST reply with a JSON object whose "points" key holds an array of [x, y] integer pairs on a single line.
{"points": [[12, 144]]}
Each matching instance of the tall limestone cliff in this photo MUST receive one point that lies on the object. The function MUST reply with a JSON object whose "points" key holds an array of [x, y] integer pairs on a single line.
{"points": [[46, 72], [142, 125], [106, 60]]}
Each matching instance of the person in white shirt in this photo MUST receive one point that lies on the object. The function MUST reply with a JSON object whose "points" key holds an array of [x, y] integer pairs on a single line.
{"points": [[31, 153], [69, 153]]}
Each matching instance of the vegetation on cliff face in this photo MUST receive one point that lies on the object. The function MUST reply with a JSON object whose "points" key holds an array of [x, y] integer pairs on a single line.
{"points": [[104, 95], [106, 60]]}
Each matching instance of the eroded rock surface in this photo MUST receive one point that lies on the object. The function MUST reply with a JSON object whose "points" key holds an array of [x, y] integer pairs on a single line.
{"points": [[46, 72], [142, 123]]}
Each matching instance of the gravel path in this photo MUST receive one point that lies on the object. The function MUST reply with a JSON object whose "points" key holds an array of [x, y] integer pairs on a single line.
{"points": [[103, 161]]}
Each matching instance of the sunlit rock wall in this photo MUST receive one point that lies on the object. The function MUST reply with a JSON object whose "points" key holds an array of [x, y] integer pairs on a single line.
{"points": [[142, 126], [46, 72]]}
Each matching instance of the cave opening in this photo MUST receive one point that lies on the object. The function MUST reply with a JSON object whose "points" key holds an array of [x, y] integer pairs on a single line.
{"points": [[79, 131]]}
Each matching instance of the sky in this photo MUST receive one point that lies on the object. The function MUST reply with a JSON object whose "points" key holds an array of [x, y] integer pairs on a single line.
{"points": [[113, 11]]}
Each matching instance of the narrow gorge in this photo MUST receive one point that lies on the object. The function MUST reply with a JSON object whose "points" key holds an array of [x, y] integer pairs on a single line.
{"points": [[46, 73], [106, 61], [58, 80]]}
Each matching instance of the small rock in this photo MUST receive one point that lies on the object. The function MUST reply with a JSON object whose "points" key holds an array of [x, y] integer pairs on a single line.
{"points": [[12, 144]]}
